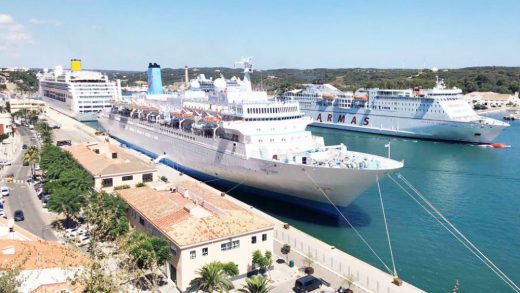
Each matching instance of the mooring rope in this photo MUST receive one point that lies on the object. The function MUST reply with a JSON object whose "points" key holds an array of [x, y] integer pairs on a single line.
{"points": [[348, 222], [454, 231], [386, 226]]}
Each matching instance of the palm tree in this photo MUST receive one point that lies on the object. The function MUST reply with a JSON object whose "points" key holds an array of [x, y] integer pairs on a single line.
{"points": [[256, 284], [32, 157], [212, 278]]}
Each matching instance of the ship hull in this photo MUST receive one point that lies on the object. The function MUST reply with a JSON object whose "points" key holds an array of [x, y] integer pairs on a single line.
{"points": [[308, 186], [410, 127], [65, 108]]}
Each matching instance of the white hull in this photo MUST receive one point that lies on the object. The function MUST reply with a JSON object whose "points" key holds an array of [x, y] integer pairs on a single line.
{"points": [[66, 109], [219, 158], [370, 121]]}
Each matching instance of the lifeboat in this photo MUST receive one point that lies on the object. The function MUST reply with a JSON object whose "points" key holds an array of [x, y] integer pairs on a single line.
{"points": [[328, 96], [499, 145], [176, 114], [211, 119], [187, 115], [361, 97]]}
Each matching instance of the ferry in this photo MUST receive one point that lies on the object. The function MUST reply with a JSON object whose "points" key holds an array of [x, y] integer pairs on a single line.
{"points": [[78, 93], [249, 143], [435, 114]]}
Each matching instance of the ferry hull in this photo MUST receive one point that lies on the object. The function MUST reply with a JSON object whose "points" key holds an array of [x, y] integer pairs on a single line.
{"points": [[309, 186], [454, 131]]}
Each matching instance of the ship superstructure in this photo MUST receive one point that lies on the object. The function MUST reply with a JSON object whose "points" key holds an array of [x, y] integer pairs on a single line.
{"points": [[78, 93], [437, 114], [250, 142]]}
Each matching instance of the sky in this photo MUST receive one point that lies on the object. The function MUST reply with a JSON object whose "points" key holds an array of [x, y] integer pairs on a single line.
{"points": [[127, 35]]}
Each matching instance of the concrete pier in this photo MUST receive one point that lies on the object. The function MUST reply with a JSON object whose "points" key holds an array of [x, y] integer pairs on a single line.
{"points": [[331, 264]]}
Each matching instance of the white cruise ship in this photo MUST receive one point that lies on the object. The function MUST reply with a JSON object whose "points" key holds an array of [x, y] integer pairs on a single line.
{"points": [[436, 114], [260, 145], [78, 93]]}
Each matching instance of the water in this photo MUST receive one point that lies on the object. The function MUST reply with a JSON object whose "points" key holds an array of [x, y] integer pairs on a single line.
{"points": [[477, 189]]}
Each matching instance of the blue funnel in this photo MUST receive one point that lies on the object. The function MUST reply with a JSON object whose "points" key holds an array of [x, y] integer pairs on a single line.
{"points": [[154, 79]]}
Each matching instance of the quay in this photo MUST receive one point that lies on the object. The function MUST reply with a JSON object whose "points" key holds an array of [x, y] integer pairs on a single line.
{"points": [[331, 264]]}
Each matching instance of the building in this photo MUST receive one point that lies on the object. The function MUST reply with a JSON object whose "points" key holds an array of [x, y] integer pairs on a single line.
{"points": [[200, 225], [111, 166], [29, 104], [44, 265], [492, 99], [6, 124]]}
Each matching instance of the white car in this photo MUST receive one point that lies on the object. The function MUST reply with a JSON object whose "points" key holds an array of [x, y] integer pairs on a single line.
{"points": [[5, 163], [2, 214], [4, 191]]}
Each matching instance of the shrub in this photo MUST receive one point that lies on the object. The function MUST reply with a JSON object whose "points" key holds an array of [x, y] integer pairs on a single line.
{"points": [[140, 184], [124, 186], [164, 179]]}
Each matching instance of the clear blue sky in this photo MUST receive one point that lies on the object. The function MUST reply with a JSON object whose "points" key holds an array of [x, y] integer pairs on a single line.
{"points": [[121, 34]]}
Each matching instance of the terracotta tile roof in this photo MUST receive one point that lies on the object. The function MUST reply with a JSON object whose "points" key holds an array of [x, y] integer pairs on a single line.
{"points": [[170, 213], [103, 164], [38, 254]]}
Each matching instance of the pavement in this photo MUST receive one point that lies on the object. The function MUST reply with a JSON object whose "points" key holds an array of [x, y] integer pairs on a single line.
{"points": [[22, 196]]}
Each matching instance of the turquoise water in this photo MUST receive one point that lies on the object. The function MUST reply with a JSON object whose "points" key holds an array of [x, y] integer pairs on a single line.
{"points": [[477, 189]]}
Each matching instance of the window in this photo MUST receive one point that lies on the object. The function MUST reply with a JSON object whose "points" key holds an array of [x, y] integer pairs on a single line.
{"points": [[128, 178], [230, 245], [205, 251], [173, 250], [264, 237], [253, 239], [193, 254], [148, 177], [107, 182], [141, 221]]}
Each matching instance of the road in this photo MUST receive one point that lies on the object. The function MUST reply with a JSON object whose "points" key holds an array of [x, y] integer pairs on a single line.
{"points": [[22, 195]]}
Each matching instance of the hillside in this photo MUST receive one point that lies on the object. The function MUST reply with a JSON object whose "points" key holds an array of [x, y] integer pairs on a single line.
{"points": [[497, 79]]}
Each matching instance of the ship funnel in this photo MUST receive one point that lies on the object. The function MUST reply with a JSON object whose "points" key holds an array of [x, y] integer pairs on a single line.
{"points": [[75, 64], [154, 79]]}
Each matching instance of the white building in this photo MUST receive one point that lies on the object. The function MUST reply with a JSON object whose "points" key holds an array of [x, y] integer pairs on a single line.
{"points": [[491, 99], [201, 227], [6, 124], [111, 166]]}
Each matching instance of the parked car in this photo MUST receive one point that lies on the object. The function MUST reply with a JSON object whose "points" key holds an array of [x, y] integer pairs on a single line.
{"points": [[5, 163], [24, 147], [31, 126], [37, 167], [2, 214], [307, 284], [83, 240], [18, 215], [4, 191], [9, 178]]}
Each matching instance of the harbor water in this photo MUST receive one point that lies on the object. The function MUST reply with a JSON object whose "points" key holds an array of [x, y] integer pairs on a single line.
{"points": [[476, 188]]}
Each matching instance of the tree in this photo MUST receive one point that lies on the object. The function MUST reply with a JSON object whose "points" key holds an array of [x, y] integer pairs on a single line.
{"points": [[263, 261], [62, 201], [107, 215], [212, 278], [285, 250], [309, 261], [97, 281], [32, 157], [9, 281], [230, 268], [3, 137], [256, 284], [44, 131], [147, 252]]}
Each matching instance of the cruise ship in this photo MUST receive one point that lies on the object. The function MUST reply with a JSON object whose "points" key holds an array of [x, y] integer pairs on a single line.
{"points": [[78, 93], [435, 114], [249, 143]]}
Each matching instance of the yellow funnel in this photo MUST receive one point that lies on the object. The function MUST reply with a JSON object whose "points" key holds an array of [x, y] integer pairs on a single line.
{"points": [[75, 64]]}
